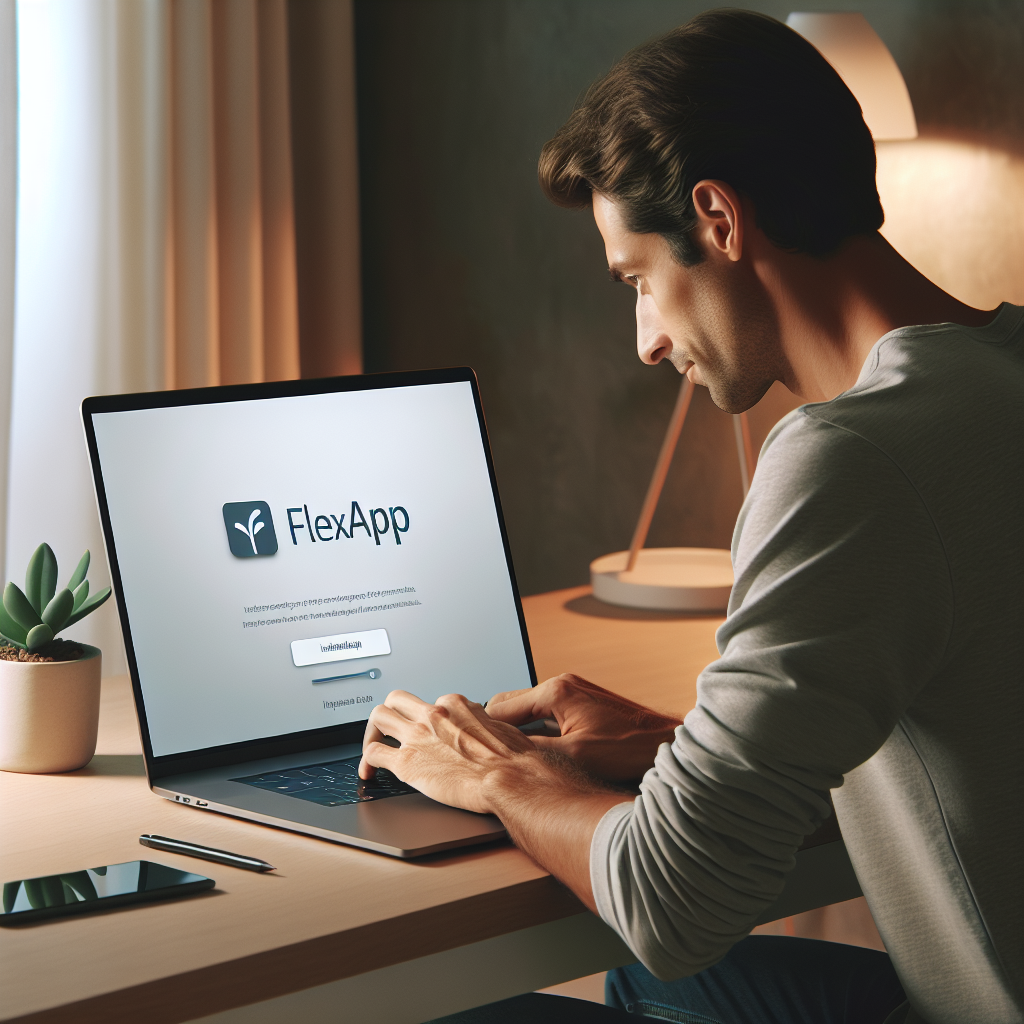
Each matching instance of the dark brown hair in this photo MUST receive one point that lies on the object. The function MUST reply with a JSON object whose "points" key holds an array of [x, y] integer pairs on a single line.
{"points": [[734, 96]]}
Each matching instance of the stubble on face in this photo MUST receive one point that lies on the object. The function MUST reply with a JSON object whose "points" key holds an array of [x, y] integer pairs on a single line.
{"points": [[733, 336]]}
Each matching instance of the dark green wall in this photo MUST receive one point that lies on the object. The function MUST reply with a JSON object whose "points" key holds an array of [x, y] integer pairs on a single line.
{"points": [[464, 262]]}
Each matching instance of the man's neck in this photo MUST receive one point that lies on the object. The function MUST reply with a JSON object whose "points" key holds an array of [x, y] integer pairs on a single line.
{"points": [[832, 311]]}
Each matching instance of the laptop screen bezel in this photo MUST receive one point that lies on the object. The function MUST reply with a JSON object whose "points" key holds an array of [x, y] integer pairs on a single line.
{"points": [[165, 765]]}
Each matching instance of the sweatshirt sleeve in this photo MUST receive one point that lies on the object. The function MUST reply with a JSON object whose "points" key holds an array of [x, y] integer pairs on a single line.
{"points": [[840, 612]]}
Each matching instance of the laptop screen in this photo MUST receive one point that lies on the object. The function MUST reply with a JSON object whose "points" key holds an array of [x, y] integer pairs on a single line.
{"points": [[285, 562]]}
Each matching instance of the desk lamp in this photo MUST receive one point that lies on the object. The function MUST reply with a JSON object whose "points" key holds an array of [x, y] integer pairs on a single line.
{"points": [[700, 579]]}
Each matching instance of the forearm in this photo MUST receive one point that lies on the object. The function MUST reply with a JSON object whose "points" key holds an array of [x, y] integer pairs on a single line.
{"points": [[551, 811]]}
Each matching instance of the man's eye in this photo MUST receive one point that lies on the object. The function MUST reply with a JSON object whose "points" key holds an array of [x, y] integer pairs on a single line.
{"points": [[618, 278]]}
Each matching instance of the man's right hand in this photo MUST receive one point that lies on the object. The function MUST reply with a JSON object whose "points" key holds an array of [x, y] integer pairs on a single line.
{"points": [[611, 737]]}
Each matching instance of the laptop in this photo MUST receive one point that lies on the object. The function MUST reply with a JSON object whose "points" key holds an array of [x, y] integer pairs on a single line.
{"points": [[283, 556]]}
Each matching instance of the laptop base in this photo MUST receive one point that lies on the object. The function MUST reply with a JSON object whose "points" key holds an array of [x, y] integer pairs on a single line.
{"points": [[411, 825]]}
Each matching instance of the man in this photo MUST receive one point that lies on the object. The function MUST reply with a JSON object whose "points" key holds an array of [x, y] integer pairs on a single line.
{"points": [[873, 642]]}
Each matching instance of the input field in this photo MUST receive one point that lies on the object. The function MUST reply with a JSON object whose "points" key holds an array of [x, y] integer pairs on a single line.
{"points": [[317, 650]]}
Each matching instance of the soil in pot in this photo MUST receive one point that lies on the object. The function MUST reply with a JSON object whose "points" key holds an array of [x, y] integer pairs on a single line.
{"points": [[55, 650]]}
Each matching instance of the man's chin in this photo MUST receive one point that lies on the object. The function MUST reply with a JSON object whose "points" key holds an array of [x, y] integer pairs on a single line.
{"points": [[726, 395], [733, 400]]}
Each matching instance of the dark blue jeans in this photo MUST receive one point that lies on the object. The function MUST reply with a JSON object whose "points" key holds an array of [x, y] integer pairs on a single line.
{"points": [[765, 979], [769, 979]]}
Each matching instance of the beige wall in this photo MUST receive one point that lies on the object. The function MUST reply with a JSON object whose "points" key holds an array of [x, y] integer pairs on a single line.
{"points": [[955, 209]]}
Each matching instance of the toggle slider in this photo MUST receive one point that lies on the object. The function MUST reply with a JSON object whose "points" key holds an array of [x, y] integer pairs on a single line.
{"points": [[370, 673]]}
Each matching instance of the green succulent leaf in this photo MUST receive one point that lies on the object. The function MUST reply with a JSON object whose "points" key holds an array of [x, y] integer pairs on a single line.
{"points": [[38, 635], [90, 606], [34, 892], [81, 593], [58, 611], [41, 577], [10, 895], [81, 883], [48, 578], [79, 574], [10, 629], [34, 578], [20, 608]]}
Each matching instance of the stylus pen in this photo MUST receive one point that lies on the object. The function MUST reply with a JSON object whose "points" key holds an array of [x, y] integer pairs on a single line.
{"points": [[236, 860]]}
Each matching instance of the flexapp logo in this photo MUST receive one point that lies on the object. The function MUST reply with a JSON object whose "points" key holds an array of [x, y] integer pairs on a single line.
{"points": [[250, 528], [377, 523]]}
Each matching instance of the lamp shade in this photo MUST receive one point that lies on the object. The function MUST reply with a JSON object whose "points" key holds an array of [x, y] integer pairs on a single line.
{"points": [[864, 63]]}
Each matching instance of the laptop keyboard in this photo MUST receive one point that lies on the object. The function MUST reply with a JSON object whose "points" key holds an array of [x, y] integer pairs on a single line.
{"points": [[330, 784]]}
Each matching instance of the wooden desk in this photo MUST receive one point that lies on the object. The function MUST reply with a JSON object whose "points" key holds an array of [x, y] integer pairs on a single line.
{"points": [[337, 933]]}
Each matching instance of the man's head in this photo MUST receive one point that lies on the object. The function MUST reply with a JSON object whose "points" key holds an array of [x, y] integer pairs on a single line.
{"points": [[730, 125]]}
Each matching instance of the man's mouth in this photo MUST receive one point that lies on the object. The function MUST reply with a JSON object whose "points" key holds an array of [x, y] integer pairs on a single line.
{"points": [[689, 369], [686, 368]]}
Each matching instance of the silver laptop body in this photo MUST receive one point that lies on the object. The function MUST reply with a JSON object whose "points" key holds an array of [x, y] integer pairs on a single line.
{"points": [[283, 556]]}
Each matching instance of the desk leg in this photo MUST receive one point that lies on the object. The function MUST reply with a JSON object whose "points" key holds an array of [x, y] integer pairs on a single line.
{"points": [[457, 979]]}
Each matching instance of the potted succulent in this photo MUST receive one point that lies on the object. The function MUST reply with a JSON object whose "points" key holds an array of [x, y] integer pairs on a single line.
{"points": [[49, 688]]}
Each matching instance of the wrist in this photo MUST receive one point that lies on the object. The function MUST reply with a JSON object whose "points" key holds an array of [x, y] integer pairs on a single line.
{"points": [[532, 779], [511, 782]]}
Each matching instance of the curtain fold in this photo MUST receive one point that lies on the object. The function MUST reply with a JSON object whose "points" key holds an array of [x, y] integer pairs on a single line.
{"points": [[281, 356], [234, 317], [321, 40]]}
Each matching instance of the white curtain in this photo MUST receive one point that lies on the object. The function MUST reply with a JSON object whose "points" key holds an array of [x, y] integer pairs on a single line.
{"points": [[8, 214], [69, 334], [155, 234]]}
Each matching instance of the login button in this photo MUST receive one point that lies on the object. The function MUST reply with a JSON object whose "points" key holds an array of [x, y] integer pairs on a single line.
{"points": [[370, 643]]}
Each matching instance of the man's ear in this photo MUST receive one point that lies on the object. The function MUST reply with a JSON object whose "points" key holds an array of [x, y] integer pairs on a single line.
{"points": [[720, 218]]}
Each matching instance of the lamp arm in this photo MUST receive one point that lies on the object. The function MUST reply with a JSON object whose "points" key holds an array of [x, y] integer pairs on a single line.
{"points": [[661, 467], [744, 449]]}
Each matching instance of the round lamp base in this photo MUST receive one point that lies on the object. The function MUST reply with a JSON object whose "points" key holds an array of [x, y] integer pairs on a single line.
{"points": [[665, 579]]}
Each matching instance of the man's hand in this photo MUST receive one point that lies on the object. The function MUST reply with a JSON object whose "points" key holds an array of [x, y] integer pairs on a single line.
{"points": [[452, 751], [449, 750], [611, 737]]}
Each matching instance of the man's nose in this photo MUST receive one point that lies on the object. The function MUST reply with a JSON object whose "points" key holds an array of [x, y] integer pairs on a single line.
{"points": [[652, 342]]}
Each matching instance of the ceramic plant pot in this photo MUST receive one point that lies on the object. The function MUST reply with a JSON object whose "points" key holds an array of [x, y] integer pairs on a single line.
{"points": [[49, 713]]}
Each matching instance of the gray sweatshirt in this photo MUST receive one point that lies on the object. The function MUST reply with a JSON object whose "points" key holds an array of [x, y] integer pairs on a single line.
{"points": [[873, 647]]}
